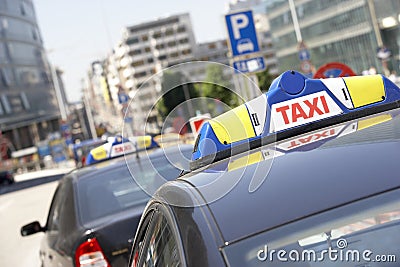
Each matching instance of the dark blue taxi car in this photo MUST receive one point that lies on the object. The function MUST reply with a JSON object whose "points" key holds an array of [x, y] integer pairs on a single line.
{"points": [[94, 210], [310, 179]]}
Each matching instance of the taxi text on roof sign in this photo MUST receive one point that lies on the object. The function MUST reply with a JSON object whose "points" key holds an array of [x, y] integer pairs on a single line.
{"points": [[118, 146], [293, 101]]}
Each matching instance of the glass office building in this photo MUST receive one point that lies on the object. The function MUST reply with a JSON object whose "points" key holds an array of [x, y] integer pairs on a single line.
{"points": [[28, 103], [347, 31]]}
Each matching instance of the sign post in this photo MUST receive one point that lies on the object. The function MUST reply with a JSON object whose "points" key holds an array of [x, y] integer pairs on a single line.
{"points": [[244, 47]]}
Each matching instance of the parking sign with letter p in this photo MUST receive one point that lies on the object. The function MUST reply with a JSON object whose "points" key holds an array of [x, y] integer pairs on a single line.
{"points": [[242, 33]]}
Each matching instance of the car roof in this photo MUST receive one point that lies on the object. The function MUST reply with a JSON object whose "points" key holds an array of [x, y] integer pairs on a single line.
{"points": [[120, 161], [304, 182]]}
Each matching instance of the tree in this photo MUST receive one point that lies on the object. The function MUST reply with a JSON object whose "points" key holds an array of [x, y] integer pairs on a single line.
{"points": [[217, 86], [174, 85], [264, 80]]}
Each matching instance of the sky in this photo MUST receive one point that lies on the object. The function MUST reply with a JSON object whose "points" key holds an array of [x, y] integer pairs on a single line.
{"points": [[78, 32]]}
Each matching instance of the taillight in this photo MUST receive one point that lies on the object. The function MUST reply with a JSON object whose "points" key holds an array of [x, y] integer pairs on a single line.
{"points": [[90, 254], [135, 259]]}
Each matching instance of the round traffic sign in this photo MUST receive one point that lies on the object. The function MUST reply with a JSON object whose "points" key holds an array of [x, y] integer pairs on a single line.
{"points": [[334, 69], [305, 66]]}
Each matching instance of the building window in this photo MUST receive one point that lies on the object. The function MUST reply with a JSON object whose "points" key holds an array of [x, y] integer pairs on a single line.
{"points": [[181, 29], [150, 60], [157, 35], [135, 52], [23, 53], [131, 41], [169, 32], [26, 9], [45, 77], [147, 49], [300, 11], [160, 46], [162, 57], [6, 77], [171, 43], [186, 51], [34, 34], [22, 9], [140, 74], [138, 63], [175, 54], [184, 41], [286, 18], [27, 75], [3, 53], [145, 38], [25, 102], [6, 104], [15, 103]]}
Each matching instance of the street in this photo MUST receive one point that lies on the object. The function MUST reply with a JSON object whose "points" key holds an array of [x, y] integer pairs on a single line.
{"points": [[17, 209]]}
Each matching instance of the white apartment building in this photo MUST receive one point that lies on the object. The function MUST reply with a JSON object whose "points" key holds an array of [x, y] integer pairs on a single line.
{"points": [[147, 49]]}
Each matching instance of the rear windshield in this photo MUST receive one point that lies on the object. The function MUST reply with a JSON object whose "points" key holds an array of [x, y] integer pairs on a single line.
{"points": [[125, 186], [365, 233]]}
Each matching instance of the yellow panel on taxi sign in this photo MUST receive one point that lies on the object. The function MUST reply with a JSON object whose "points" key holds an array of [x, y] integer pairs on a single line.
{"points": [[144, 141], [365, 90], [233, 125], [99, 153]]}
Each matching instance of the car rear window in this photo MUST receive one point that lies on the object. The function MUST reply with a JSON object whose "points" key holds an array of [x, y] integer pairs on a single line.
{"points": [[365, 233], [125, 186]]}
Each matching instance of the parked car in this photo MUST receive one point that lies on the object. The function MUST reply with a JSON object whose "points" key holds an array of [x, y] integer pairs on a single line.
{"points": [[94, 209], [6, 177], [309, 178]]}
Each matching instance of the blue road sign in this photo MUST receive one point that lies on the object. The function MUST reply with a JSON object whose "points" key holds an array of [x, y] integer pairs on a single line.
{"points": [[123, 98], [242, 33], [304, 54], [249, 65]]}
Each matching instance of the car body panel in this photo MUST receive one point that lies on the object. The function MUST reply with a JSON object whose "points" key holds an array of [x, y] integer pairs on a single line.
{"points": [[327, 180]]}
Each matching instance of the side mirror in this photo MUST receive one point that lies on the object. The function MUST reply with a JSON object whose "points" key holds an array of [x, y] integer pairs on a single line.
{"points": [[32, 228]]}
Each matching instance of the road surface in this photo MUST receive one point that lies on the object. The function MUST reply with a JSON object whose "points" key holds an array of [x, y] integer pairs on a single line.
{"points": [[17, 209]]}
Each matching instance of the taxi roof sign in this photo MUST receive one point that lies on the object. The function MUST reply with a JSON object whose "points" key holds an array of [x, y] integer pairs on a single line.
{"points": [[117, 146], [292, 103]]}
